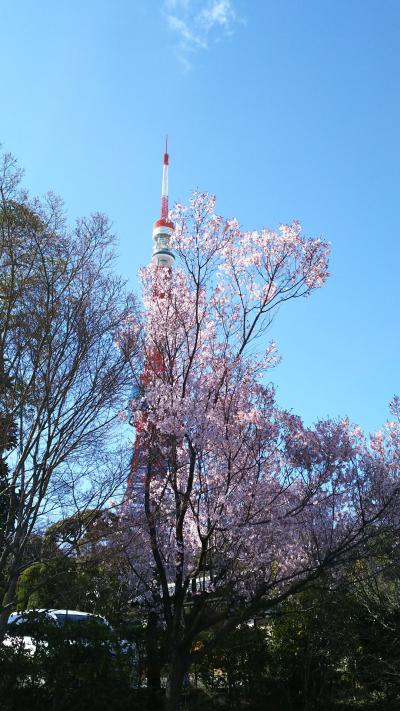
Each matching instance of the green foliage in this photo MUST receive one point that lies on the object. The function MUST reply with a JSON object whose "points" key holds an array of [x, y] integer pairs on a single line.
{"points": [[333, 647], [310, 649], [31, 590], [74, 531], [65, 583], [77, 667], [77, 570], [239, 664]]}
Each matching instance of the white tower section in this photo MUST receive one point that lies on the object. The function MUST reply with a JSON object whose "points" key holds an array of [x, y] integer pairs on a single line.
{"points": [[163, 255]]}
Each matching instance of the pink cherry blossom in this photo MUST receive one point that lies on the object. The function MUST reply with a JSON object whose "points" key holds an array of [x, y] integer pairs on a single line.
{"points": [[230, 496]]}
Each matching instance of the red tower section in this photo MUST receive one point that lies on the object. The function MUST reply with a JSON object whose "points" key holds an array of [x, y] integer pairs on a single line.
{"points": [[163, 257]]}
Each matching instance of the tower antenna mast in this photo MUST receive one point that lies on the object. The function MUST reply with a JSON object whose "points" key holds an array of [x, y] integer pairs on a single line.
{"points": [[164, 186], [163, 255]]}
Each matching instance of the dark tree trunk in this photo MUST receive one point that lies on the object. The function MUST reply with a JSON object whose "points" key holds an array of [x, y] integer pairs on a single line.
{"points": [[8, 597], [153, 673], [179, 664]]}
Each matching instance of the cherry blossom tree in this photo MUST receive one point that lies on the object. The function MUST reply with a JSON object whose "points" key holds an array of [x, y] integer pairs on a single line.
{"points": [[235, 505]]}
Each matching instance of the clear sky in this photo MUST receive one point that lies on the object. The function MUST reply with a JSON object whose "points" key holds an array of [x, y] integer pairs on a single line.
{"points": [[283, 108]]}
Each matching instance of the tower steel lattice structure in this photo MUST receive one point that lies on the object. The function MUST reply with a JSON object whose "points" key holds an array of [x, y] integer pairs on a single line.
{"points": [[163, 258]]}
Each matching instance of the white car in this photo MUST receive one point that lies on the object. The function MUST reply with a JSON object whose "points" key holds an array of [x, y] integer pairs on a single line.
{"points": [[58, 617]]}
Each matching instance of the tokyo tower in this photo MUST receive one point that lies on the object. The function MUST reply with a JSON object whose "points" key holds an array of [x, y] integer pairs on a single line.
{"points": [[163, 257]]}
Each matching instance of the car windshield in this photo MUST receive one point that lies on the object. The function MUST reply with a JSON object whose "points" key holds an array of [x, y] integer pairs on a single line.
{"points": [[27, 618], [16, 620]]}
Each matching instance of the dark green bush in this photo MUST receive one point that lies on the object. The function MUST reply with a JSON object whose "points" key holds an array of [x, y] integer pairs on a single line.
{"points": [[73, 668]]}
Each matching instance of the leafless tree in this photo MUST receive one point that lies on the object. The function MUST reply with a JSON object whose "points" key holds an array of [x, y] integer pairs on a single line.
{"points": [[63, 381]]}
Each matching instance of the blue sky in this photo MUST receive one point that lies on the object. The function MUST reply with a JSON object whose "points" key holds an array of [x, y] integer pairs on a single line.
{"points": [[285, 110]]}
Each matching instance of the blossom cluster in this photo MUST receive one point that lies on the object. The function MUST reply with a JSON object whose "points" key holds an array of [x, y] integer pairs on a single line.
{"points": [[237, 489]]}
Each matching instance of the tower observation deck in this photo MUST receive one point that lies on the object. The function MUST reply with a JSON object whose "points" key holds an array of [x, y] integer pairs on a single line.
{"points": [[163, 256]]}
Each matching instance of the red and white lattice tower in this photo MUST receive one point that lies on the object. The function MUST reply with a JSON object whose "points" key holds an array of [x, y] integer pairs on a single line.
{"points": [[163, 257]]}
